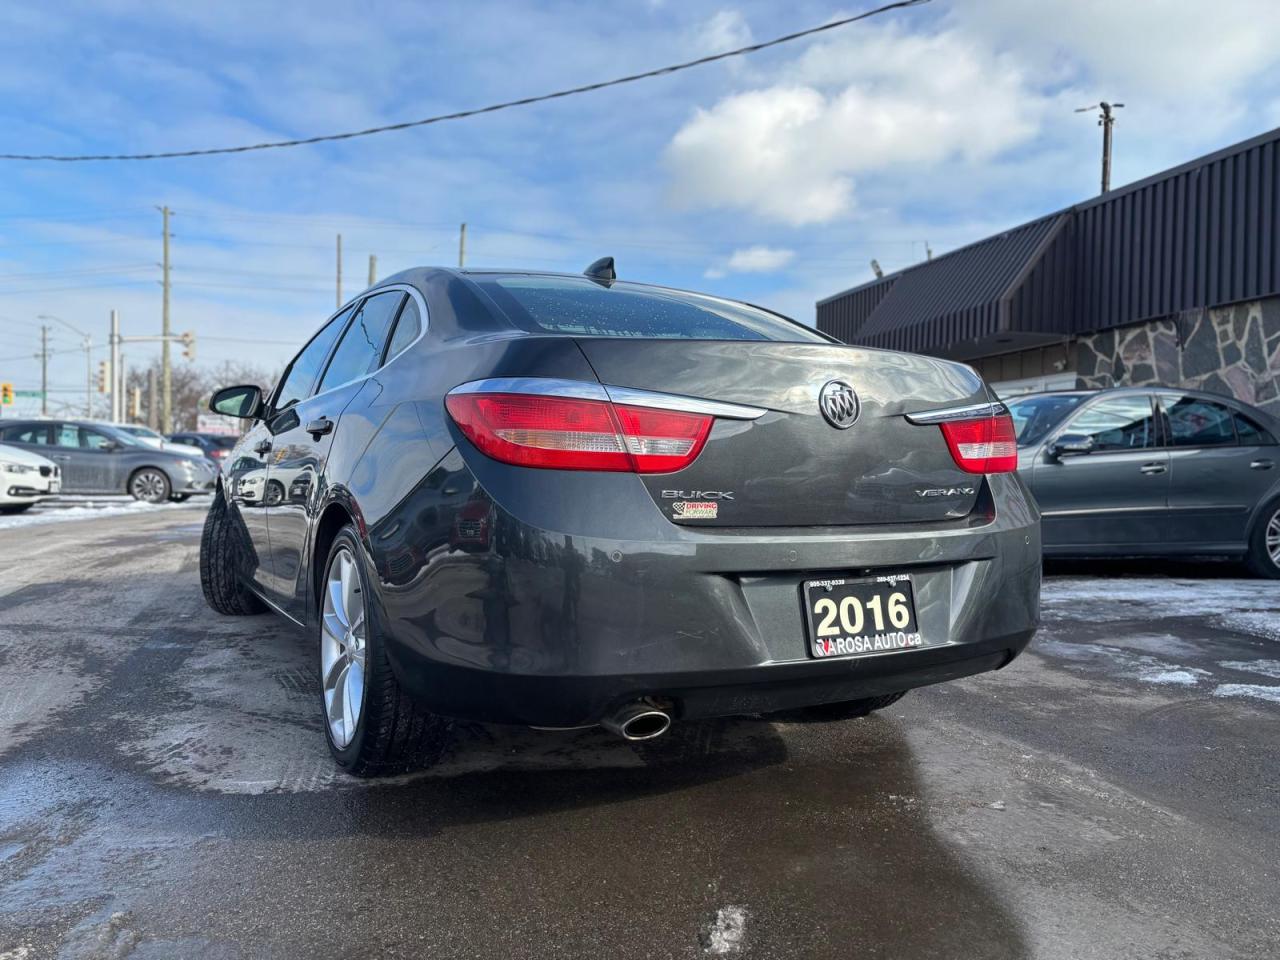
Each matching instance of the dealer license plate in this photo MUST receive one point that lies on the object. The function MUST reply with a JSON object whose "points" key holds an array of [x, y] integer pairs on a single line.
{"points": [[860, 618]]}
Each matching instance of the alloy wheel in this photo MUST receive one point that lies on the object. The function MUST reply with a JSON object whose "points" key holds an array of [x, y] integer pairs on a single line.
{"points": [[1271, 538], [148, 485], [342, 648]]}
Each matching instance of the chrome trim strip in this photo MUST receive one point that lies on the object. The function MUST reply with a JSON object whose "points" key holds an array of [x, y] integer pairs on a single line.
{"points": [[253, 588], [540, 386], [972, 412], [674, 401], [582, 390]]}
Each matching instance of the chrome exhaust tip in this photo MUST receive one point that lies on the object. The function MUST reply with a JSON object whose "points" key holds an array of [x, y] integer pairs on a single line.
{"points": [[638, 721]]}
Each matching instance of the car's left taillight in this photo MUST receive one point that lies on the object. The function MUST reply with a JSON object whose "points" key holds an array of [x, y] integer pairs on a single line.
{"points": [[985, 444], [568, 433]]}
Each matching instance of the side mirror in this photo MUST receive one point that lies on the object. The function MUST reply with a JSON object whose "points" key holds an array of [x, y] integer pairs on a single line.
{"points": [[112, 446], [1071, 445], [244, 401]]}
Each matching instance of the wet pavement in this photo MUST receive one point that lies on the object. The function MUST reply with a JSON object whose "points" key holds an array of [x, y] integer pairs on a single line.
{"points": [[165, 792]]}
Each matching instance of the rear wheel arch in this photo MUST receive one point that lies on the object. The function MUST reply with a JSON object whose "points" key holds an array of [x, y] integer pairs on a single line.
{"points": [[333, 518]]}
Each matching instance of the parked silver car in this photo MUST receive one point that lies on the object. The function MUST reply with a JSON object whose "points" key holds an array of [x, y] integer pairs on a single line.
{"points": [[1152, 471], [100, 458]]}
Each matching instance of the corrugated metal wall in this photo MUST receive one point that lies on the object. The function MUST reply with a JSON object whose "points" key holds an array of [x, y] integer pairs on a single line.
{"points": [[1201, 235]]}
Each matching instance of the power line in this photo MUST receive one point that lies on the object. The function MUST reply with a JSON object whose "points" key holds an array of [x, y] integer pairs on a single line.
{"points": [[492, 108]]}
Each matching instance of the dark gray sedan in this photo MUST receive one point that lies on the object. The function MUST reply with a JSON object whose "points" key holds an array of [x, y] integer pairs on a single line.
{"points": [[99, 458], [563, 500], [1152, 471]]}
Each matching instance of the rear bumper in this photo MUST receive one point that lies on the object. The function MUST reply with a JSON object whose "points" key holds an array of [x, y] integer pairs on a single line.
{"points": [[498, 697], [491, 616]]}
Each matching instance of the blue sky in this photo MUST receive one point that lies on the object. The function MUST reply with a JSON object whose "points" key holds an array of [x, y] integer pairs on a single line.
{"points": [[774, 178]]}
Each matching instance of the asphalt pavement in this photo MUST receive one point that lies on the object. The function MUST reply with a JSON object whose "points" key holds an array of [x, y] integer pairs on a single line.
{"points": [[165, 792]]}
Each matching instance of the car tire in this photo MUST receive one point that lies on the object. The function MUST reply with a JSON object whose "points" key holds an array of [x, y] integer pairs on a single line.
{"points": [[1263, 558], [150, 485], [829, 712], [11, 508], [274, 494], [222, 547], [392, 732]]}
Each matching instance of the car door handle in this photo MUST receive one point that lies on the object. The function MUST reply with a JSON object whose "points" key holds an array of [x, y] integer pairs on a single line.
{"points": [[1150, 469], [62, 456], [263, 448], [318, 428], [1262, 465]]}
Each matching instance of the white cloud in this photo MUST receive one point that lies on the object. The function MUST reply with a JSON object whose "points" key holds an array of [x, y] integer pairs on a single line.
{"points": [[759, 259], [726, 30], [867, 102]]}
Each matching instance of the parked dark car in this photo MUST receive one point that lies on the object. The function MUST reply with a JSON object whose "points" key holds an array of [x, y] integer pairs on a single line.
{"points": [[216, 446], [98, 458], [1152, 471], [560, 500]]}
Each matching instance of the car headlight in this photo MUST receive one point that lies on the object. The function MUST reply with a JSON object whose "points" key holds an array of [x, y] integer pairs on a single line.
{"points": [[17, 467]]}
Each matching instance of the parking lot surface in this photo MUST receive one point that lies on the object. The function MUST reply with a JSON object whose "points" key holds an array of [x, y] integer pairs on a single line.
{"points": [[165, 792]]}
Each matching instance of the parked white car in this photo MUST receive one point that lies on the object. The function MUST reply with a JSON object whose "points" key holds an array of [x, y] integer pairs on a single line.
{"points": [[26, 478]]}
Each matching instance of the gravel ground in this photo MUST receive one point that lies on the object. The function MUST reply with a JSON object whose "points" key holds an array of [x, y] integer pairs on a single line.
{"points": [[165, 792]]}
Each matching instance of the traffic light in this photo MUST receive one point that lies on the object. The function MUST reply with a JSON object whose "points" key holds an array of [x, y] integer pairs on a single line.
{"points": [[188, 346], [104, 376], [6, 394]]}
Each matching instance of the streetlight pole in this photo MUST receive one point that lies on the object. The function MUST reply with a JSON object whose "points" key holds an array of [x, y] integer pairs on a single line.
{"points": [[88, 360], [1106, 120]]}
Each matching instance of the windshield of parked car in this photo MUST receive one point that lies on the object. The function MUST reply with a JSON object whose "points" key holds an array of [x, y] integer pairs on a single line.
{"points": [[1034, 417], [580, 306]]}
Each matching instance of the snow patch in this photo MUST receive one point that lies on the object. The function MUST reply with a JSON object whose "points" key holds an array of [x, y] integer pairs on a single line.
{"points": [[52, 512], [1180, 677], [1256, 691], [1265, 668], [1106, 599], [727, 933]]}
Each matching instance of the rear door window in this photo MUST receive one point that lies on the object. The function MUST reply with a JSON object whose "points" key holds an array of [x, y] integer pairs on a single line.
{"points": [[1250, 433], [361, 348], [36, 434], [1117, 423], [1194, 422], [583, 307], [407, 328]]}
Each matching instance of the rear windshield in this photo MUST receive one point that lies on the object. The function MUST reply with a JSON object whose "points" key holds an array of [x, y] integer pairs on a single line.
{"points": [[1034, 417], [223, 443], [583, 307]]}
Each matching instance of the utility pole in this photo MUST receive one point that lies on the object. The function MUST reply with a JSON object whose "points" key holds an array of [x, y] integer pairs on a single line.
{"points": [[339, 303], [462, 247], [1106, 120], [373, 268], [44, 370], [114, 366], [166, 380], [88, 360]]}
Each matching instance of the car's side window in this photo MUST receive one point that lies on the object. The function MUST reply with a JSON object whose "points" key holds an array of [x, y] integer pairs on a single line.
{"points": [[1194, 422], [38, 434], [1117, 423], [66, 435], [93, 440], [306, 365], [1250, 433], [361, 348], [408, 327]]}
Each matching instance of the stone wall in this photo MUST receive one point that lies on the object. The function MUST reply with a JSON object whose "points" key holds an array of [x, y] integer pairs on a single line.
{"points": [[1230, 350]]}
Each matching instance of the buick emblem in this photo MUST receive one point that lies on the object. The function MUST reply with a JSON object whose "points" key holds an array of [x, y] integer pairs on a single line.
{"points": [[839, 404]]}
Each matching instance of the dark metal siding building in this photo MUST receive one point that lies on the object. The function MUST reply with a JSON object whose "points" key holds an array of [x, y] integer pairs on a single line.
{"points": [[1199, 237]]}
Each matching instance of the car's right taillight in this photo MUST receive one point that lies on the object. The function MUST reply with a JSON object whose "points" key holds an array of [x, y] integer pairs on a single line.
{"points": [[986, 444], [569, 433]]}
